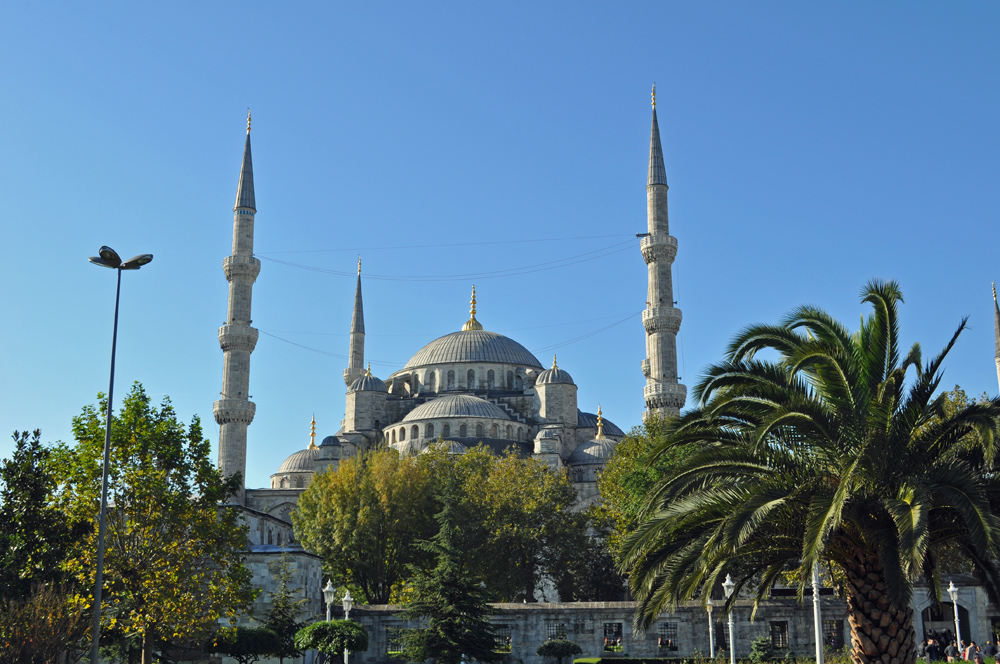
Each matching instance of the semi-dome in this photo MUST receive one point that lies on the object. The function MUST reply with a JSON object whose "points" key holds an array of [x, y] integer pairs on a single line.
{"points": [[330, 441], [302, 461], [368, 383], [456, 405], [473, 346], [554, 376], [587, 420], [597, 451]]}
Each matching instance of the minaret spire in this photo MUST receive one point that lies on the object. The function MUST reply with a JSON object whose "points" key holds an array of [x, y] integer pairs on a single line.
{"points": [[996, 330], [234, 411], [356, 357], [663, 394]]}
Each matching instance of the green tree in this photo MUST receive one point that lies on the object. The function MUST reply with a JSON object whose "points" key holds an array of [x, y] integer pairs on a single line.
{"points": [[35, 536], [282, 616], [363, 519], [332, 637], [558, 648], [174, 558], [452, 602], [244, 644], [38, 627], [825, 452]]}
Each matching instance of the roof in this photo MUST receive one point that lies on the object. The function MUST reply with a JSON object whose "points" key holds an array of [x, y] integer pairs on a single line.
{"points": [[473, 346], [585, 420], [302, 461], [244, 191], [595, 452], [368, 383], [657, 171], [456, 405], [553, 376]]}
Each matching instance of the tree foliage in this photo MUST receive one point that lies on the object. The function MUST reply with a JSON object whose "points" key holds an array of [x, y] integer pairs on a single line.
{"points": [[38, 627], [244, 644], [332, 637], [451, 601], [836, 451], [35, 536], [174, 559], [558, 648]]}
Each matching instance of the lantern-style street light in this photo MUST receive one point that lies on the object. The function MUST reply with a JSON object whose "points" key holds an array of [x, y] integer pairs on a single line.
{"points": [[953, 593], [109, 258], [728, 586], [329, 594], [348, 603]]}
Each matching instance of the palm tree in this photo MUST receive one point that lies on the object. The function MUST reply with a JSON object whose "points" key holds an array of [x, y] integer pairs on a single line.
{"points": [[826, 452]]}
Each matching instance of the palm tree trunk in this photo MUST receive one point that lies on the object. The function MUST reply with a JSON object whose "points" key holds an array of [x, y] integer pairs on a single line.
{"points": [[881, 633]]}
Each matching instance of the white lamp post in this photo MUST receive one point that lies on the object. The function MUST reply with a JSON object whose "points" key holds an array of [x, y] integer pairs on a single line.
{"points": [[953, 593], [711, 634], [348, 603], [817, 616], [728, 586], [329, 594]]}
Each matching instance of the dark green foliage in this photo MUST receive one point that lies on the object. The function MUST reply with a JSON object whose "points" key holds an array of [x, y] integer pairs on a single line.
{"points": [[244, 644], [591, 575], [760, 649], [453, 603], [35, 537], [282, 616], [558, 648], [332, 637]]}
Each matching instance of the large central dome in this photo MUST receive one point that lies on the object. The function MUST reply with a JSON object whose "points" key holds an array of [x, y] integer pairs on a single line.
{"points": [[473, 346]]}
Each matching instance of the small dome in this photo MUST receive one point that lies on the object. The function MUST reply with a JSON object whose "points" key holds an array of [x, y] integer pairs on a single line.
{"points": [[450, 446], [588, 420], [303, 461], [595, 452], [330, 441], [458, 405], [554, 376], [368, 383]]}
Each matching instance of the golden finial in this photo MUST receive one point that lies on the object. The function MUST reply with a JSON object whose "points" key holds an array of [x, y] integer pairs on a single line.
{"points": [[472, 323], [554, 361], [359, 266], [600, 423], [248, 120], [312, 435], [994, 291], [654, 96], [369, 372]]}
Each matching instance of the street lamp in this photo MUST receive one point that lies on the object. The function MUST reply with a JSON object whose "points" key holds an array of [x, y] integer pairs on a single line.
{"points": [[711, 631], [728, 586], [329, 594], [348, 603], [817, 616], [108, 258], [953, 593]]}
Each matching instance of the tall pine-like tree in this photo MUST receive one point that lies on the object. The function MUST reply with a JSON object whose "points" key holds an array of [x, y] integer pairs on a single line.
{"points": [[453, 603], [282, 617]]}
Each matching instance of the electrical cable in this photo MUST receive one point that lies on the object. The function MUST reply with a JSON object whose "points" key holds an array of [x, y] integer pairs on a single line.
{"points": [[452, 244]]}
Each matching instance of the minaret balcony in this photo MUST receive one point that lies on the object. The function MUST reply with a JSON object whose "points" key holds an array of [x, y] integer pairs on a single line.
{"points": [[228, 411], [238, 336], [661, 319], [241, 267], [665, 395], [658, 247]]}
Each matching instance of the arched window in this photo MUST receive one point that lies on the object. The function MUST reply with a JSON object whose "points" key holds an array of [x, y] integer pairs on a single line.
{"points": [[429, 431], [284, 482], [518, 384], [471, 379], [494, 431], [414, 432], [431, 382], [446, 431], [490, 378], [299, 483], [402, 434], [509, 430], [414, 384], [270, 536], [520, 434], [279, 538], [451, 379], [479, 430], [394, 435], [377, 426], [463, 431], [510, 380]]}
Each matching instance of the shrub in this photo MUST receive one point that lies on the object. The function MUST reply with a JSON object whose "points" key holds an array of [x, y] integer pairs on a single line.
{"points": [[244, 644], [332, 637]]}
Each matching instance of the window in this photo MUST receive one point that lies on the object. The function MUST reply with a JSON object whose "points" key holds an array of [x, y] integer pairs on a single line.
{"points": [[720, 635], [518, 384], [299, 483], [402, 434], [284, 482], [510, 380], [556, 630], [429, 431], [833, 634], [490, 378], [451, 379], [479, 430], [471, 379], [431, 382], [520, 434], [502, 634], [414, 384], [667, 637], [394, 435], [414, 432], [446, 430], [509, 432], [494, 431], [779, 634], [393, 641], [463, 431], [613, 637]]}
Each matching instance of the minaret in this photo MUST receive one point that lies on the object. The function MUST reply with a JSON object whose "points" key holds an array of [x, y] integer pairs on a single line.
{"points": [[996, 330], [356, 357], [662, 393], [234, 411]]}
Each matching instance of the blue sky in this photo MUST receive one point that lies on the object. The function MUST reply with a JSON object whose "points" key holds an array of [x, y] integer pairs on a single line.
{"points": [[809, 147]]}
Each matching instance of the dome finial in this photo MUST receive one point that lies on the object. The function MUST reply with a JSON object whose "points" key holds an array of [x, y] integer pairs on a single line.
{"points": [[369, 372], [554, 366], [248, 120], [654, 95], [600, 423], [312, 434], [472, 323]]}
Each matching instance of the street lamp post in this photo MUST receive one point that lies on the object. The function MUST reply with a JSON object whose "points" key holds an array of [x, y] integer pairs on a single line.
{"points": [[108, 258], [711, 631], [329, 594], [348, 603], [728, 586], [817, 616], [953, 593]]}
